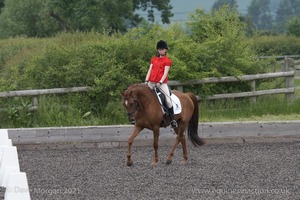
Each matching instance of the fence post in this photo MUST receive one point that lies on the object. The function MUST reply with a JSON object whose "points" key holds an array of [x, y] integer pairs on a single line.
{"points": [[35, 103], [179, 88], [253, 88], [289, 81]]}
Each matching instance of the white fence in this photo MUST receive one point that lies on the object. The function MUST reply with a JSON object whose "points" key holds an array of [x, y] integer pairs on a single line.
{"points": [[14, 181], [117, 135]]}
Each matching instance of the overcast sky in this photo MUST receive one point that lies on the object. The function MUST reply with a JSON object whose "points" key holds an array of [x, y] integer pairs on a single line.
{"points": [[182, 9]]}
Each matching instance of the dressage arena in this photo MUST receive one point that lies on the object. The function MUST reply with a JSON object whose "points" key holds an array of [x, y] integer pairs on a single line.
{"points": [[252, 161]]}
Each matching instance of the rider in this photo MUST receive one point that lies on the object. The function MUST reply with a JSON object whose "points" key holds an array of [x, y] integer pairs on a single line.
{"points": [[158, 76]]}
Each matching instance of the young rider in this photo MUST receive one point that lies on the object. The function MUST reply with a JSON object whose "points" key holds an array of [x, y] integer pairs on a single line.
{"points": [[158, 76]]}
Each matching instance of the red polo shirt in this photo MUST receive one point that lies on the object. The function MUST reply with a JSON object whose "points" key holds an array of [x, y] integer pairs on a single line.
{"points": [[158, 68]]}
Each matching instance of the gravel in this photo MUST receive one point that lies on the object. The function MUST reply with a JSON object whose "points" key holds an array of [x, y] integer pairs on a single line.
{"points": [[2, 191], [215, 171]]}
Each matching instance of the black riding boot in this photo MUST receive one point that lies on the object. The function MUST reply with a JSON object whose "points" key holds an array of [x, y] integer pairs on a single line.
{"points": [[172, 120]]}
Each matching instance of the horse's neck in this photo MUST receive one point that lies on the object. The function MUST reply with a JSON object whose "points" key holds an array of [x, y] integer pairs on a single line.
{"points": [[146, 98]]}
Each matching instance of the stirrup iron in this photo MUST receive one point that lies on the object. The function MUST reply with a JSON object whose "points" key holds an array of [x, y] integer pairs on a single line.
{"points": [[173, 123]]}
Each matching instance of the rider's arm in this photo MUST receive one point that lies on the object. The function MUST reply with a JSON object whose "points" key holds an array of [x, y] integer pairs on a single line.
{"points": [[166, 71], [149, 72]]}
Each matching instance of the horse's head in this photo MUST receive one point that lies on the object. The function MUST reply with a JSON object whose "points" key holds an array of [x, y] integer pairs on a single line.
{"points": [[130, 103]]}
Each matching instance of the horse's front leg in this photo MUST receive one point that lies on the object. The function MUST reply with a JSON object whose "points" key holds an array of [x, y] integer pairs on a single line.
{"points": [[155, 146], [135, 132]]}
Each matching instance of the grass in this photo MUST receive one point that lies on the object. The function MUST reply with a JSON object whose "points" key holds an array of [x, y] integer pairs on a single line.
{"points": [[267, 117], [267, 108], [68, 111]]}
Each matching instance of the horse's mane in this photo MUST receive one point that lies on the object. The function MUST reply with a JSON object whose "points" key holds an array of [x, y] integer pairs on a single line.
{"points": [[136, 85], [139, 87]]}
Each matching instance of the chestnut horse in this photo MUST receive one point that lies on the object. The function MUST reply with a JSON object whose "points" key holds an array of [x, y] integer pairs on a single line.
{"points": [[143, 107]]}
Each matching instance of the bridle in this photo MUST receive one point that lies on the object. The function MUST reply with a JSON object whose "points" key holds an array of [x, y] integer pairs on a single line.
{"points": [[135, 108]]}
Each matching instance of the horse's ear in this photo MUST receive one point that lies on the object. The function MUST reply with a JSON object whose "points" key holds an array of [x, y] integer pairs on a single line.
{"points": [[123, 93]]}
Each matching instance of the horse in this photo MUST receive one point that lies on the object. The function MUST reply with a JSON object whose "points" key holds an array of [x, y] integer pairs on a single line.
{"points": [[144, 109]]}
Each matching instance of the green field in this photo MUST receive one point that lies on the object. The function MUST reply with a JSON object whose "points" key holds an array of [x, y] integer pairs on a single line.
{"points": [[267, 108]]}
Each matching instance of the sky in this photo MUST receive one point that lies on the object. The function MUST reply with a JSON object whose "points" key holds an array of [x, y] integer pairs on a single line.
{"points": [[183, 8]]}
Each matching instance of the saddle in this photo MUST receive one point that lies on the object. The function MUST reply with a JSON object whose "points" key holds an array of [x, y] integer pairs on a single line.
{"points": [[162, 100]]}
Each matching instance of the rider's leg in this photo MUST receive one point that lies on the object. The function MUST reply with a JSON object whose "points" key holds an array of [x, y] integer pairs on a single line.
{"points": [[151, 85], [164, 87]]}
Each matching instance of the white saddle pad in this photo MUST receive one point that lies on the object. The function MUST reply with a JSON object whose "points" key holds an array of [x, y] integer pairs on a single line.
{"points": [[176, 104]]}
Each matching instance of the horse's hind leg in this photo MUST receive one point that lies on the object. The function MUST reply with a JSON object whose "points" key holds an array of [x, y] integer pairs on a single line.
{"points": [[169, 158], [184, 149], [155, 146], [180, 138]]}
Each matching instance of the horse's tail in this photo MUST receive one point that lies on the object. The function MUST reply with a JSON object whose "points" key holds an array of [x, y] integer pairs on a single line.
{"points": [[193, 123]]}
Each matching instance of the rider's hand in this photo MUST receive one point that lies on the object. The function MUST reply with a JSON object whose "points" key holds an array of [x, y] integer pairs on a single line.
{"points": [[158, 84]]}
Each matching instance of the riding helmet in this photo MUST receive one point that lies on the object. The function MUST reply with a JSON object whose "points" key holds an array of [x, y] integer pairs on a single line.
{"points": [[161, 45]]}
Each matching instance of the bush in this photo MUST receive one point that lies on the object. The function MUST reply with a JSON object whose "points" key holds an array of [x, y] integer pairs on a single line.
{"points": [[293, 26], [108, 63], [277, 45]]}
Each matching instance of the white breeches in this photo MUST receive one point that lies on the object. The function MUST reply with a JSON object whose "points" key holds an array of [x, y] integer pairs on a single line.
{"points": [[165, 90]]}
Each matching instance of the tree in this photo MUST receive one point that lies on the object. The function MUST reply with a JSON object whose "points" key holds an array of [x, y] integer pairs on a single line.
{"points": [[259, 12], [219, 3], [24, 18], [163, 6], [1, 5], [96, 14], [40, 18], [293, 26], [286, 10], [223, 49]]}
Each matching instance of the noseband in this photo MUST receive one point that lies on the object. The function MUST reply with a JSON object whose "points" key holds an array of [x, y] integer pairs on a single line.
{"points": [[135, 108]]}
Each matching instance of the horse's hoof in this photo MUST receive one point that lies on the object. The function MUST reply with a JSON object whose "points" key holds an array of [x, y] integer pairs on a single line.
{"points": [[184, 162], [154, 164], [169, 162], [129, 163]]}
